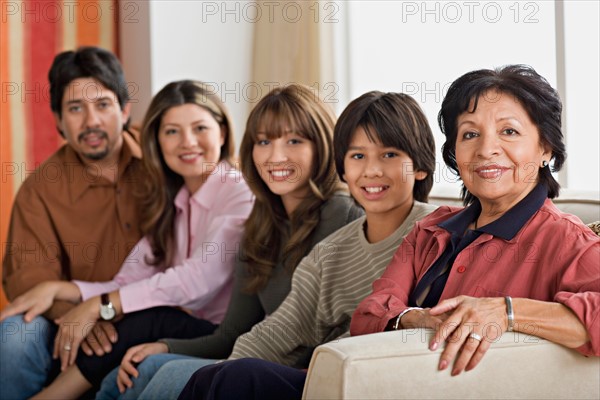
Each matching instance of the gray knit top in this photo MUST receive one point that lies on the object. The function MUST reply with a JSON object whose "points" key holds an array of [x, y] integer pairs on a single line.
{"points": [[245, 310]]}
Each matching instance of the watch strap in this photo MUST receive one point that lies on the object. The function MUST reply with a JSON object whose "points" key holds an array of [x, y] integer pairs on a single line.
{"points": [[104, 299]]}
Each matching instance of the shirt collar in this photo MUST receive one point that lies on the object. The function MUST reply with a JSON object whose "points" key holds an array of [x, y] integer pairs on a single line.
{"points": [[207, 195], [508, 224], [458, 223]]}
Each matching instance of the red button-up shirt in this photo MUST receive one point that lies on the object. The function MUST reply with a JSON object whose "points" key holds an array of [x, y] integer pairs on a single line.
{"points": [[554, 257]]}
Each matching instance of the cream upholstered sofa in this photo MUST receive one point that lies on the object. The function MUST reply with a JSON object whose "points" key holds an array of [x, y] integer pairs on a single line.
{"points": [[398, 365]]}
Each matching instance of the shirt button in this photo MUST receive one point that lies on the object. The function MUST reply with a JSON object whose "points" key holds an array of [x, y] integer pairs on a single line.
{"points": [[127, 225], [461, 269]]}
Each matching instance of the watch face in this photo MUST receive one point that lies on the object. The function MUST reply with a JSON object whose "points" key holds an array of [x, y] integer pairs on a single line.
{"points": [[107, 312]]}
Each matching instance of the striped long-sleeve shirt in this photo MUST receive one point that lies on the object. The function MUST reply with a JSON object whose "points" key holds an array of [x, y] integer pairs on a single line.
{"points": [[327, 286]]}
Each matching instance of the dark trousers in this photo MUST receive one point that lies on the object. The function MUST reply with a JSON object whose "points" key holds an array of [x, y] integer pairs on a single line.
{"points": [[142, 327], [246, 378]]}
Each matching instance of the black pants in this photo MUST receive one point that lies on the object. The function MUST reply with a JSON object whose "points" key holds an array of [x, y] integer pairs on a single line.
{"points": [[142, 327], [246, 378]]}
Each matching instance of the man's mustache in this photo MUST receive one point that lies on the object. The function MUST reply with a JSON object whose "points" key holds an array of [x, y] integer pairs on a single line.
{"points": [[102, 134]]}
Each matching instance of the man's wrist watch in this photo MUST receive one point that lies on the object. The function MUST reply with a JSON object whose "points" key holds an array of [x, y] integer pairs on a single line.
{"points": [[107, 310]]}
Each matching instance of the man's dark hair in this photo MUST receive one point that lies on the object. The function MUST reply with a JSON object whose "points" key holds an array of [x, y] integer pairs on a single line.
{"points": [[86, 62]]}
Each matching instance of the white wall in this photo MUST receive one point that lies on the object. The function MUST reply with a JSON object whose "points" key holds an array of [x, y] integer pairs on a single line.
{"points": [[582, 105], [418, 47], [202, 40]]}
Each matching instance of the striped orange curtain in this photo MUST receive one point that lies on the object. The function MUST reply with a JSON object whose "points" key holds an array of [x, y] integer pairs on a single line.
{"points": [[32, 32]]}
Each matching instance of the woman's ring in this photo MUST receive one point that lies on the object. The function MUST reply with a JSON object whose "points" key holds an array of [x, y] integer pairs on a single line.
{"points": [[67, 347], [475, 336]]}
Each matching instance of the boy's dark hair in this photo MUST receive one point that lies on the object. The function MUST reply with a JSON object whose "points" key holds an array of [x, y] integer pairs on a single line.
{"points": [[532, 91], [86, 62], [395, 120]]}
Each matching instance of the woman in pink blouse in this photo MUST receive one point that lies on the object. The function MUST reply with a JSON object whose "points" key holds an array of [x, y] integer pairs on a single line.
{"points": [[508, 261], [193, 210]]}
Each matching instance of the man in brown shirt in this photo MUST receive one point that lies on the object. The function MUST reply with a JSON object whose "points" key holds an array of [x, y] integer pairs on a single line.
{"points": [[75, 217]]}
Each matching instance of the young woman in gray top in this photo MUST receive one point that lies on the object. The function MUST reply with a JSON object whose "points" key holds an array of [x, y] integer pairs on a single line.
{"points": [[287, 160]]}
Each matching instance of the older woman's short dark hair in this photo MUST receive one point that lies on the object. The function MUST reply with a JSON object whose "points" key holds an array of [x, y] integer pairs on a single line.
{"points": [[540, 100], [396, 120]]}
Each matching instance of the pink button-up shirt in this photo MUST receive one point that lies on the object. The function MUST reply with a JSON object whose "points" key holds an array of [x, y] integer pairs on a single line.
{"points": [[554, 257], [208, 231]]}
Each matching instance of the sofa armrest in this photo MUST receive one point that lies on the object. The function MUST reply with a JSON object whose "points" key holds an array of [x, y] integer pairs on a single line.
{"points": [[398, 365]]}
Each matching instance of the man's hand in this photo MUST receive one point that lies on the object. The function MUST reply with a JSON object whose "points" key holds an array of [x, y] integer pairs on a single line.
{"points": [[134, 356], [40, 298], [33, 302], [100, 339]]}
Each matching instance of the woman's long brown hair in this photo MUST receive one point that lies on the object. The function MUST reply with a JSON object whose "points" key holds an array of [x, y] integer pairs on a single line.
{"points": [[270, 234], [162, 184]]}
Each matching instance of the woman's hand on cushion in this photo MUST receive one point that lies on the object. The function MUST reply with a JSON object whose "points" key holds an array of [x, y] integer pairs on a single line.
{"points": [[473, 325]]}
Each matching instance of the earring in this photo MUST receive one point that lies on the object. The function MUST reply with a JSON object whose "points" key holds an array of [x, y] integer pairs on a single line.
{"points": [[544, 163]]}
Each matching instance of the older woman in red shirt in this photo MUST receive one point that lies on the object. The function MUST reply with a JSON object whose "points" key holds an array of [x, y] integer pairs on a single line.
{"points": [[509, 260]]}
